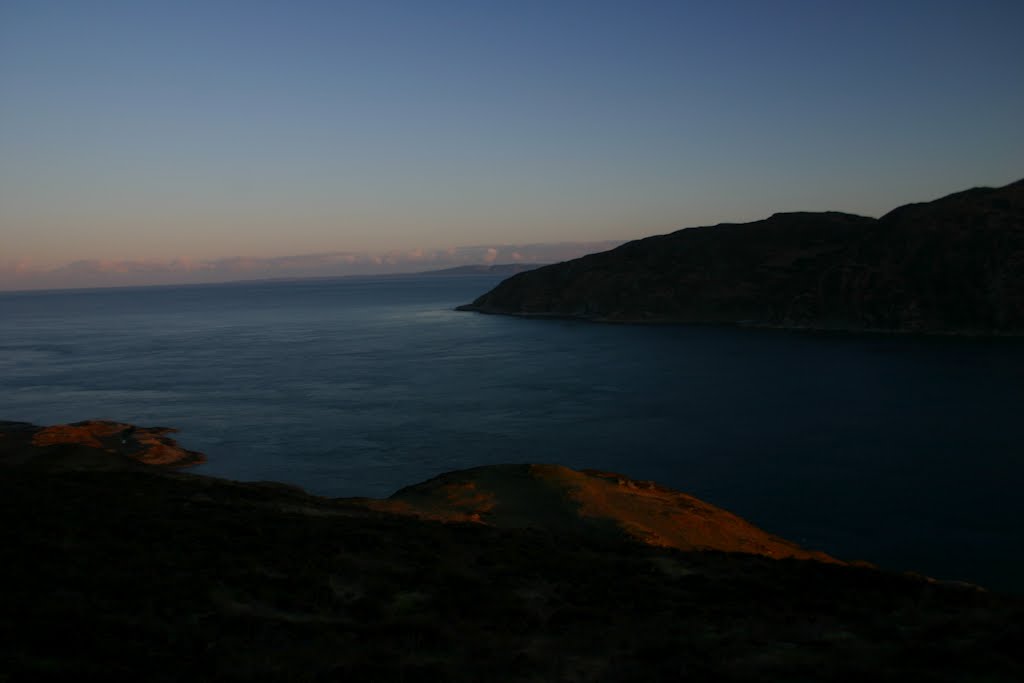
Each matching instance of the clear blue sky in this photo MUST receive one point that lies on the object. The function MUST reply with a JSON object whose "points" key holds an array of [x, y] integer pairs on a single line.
{"points": [[206, 129]]}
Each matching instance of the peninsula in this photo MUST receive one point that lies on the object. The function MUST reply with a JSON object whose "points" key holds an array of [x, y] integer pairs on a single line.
{"points": [[951, 266]]}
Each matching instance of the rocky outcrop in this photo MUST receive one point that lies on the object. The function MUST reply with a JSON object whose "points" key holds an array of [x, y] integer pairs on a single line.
{"points": [[954, 265], [92, 444]]}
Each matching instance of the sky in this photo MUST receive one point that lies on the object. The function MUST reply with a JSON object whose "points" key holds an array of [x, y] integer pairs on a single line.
{"points": [[160, 141]]}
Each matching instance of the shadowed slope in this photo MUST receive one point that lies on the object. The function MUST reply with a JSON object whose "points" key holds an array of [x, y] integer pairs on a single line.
{"points": [[952, 265], [147, 573]]}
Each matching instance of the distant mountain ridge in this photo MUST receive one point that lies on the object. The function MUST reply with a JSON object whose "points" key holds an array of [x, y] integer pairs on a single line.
{"points": [[953, 265], [485, 269]]}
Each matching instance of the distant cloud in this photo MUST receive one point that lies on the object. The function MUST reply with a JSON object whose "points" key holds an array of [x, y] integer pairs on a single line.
{"points": [[23, 274]]}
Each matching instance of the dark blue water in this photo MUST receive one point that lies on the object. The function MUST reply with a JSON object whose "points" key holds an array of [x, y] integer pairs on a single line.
{"points": [[905, 452]]}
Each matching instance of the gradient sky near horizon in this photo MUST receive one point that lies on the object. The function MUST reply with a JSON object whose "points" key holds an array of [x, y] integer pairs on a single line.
{"points": [[213, 129]]}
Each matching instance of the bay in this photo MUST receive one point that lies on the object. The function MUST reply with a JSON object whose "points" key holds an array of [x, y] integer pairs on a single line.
{"points": [[902, 451]]}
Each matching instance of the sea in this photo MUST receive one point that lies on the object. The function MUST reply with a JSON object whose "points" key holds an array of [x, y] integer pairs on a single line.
{"points": [[907, 452]]}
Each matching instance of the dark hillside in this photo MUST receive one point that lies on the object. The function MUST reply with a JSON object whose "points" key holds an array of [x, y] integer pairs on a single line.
{"points": [[955, 265], [142, 572]]}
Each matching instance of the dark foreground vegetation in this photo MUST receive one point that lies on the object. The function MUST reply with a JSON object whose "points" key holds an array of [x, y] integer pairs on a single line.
{"points": [[145, 573]]}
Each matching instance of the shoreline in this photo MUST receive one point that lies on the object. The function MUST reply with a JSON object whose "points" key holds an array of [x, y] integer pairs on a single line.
{"points": [[743, 325]]}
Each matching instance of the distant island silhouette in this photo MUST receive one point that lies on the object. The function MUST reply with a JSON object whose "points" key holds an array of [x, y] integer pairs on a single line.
{"points": [[953, 265]]}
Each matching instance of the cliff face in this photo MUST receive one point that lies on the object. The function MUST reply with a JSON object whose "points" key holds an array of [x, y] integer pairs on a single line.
{"points": [[952, 265]]}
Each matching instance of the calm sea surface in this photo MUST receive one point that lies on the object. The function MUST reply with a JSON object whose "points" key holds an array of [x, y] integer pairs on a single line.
{"points": [[905, 452]]}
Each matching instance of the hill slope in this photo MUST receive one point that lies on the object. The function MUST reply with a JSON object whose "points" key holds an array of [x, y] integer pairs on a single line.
{"points": [[593, 504], [144, 572], [952, 265]]}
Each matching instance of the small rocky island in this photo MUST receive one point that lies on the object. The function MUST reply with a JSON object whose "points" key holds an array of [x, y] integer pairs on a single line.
{"points": [[953, 265], [92, 444], [118, 564]]}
